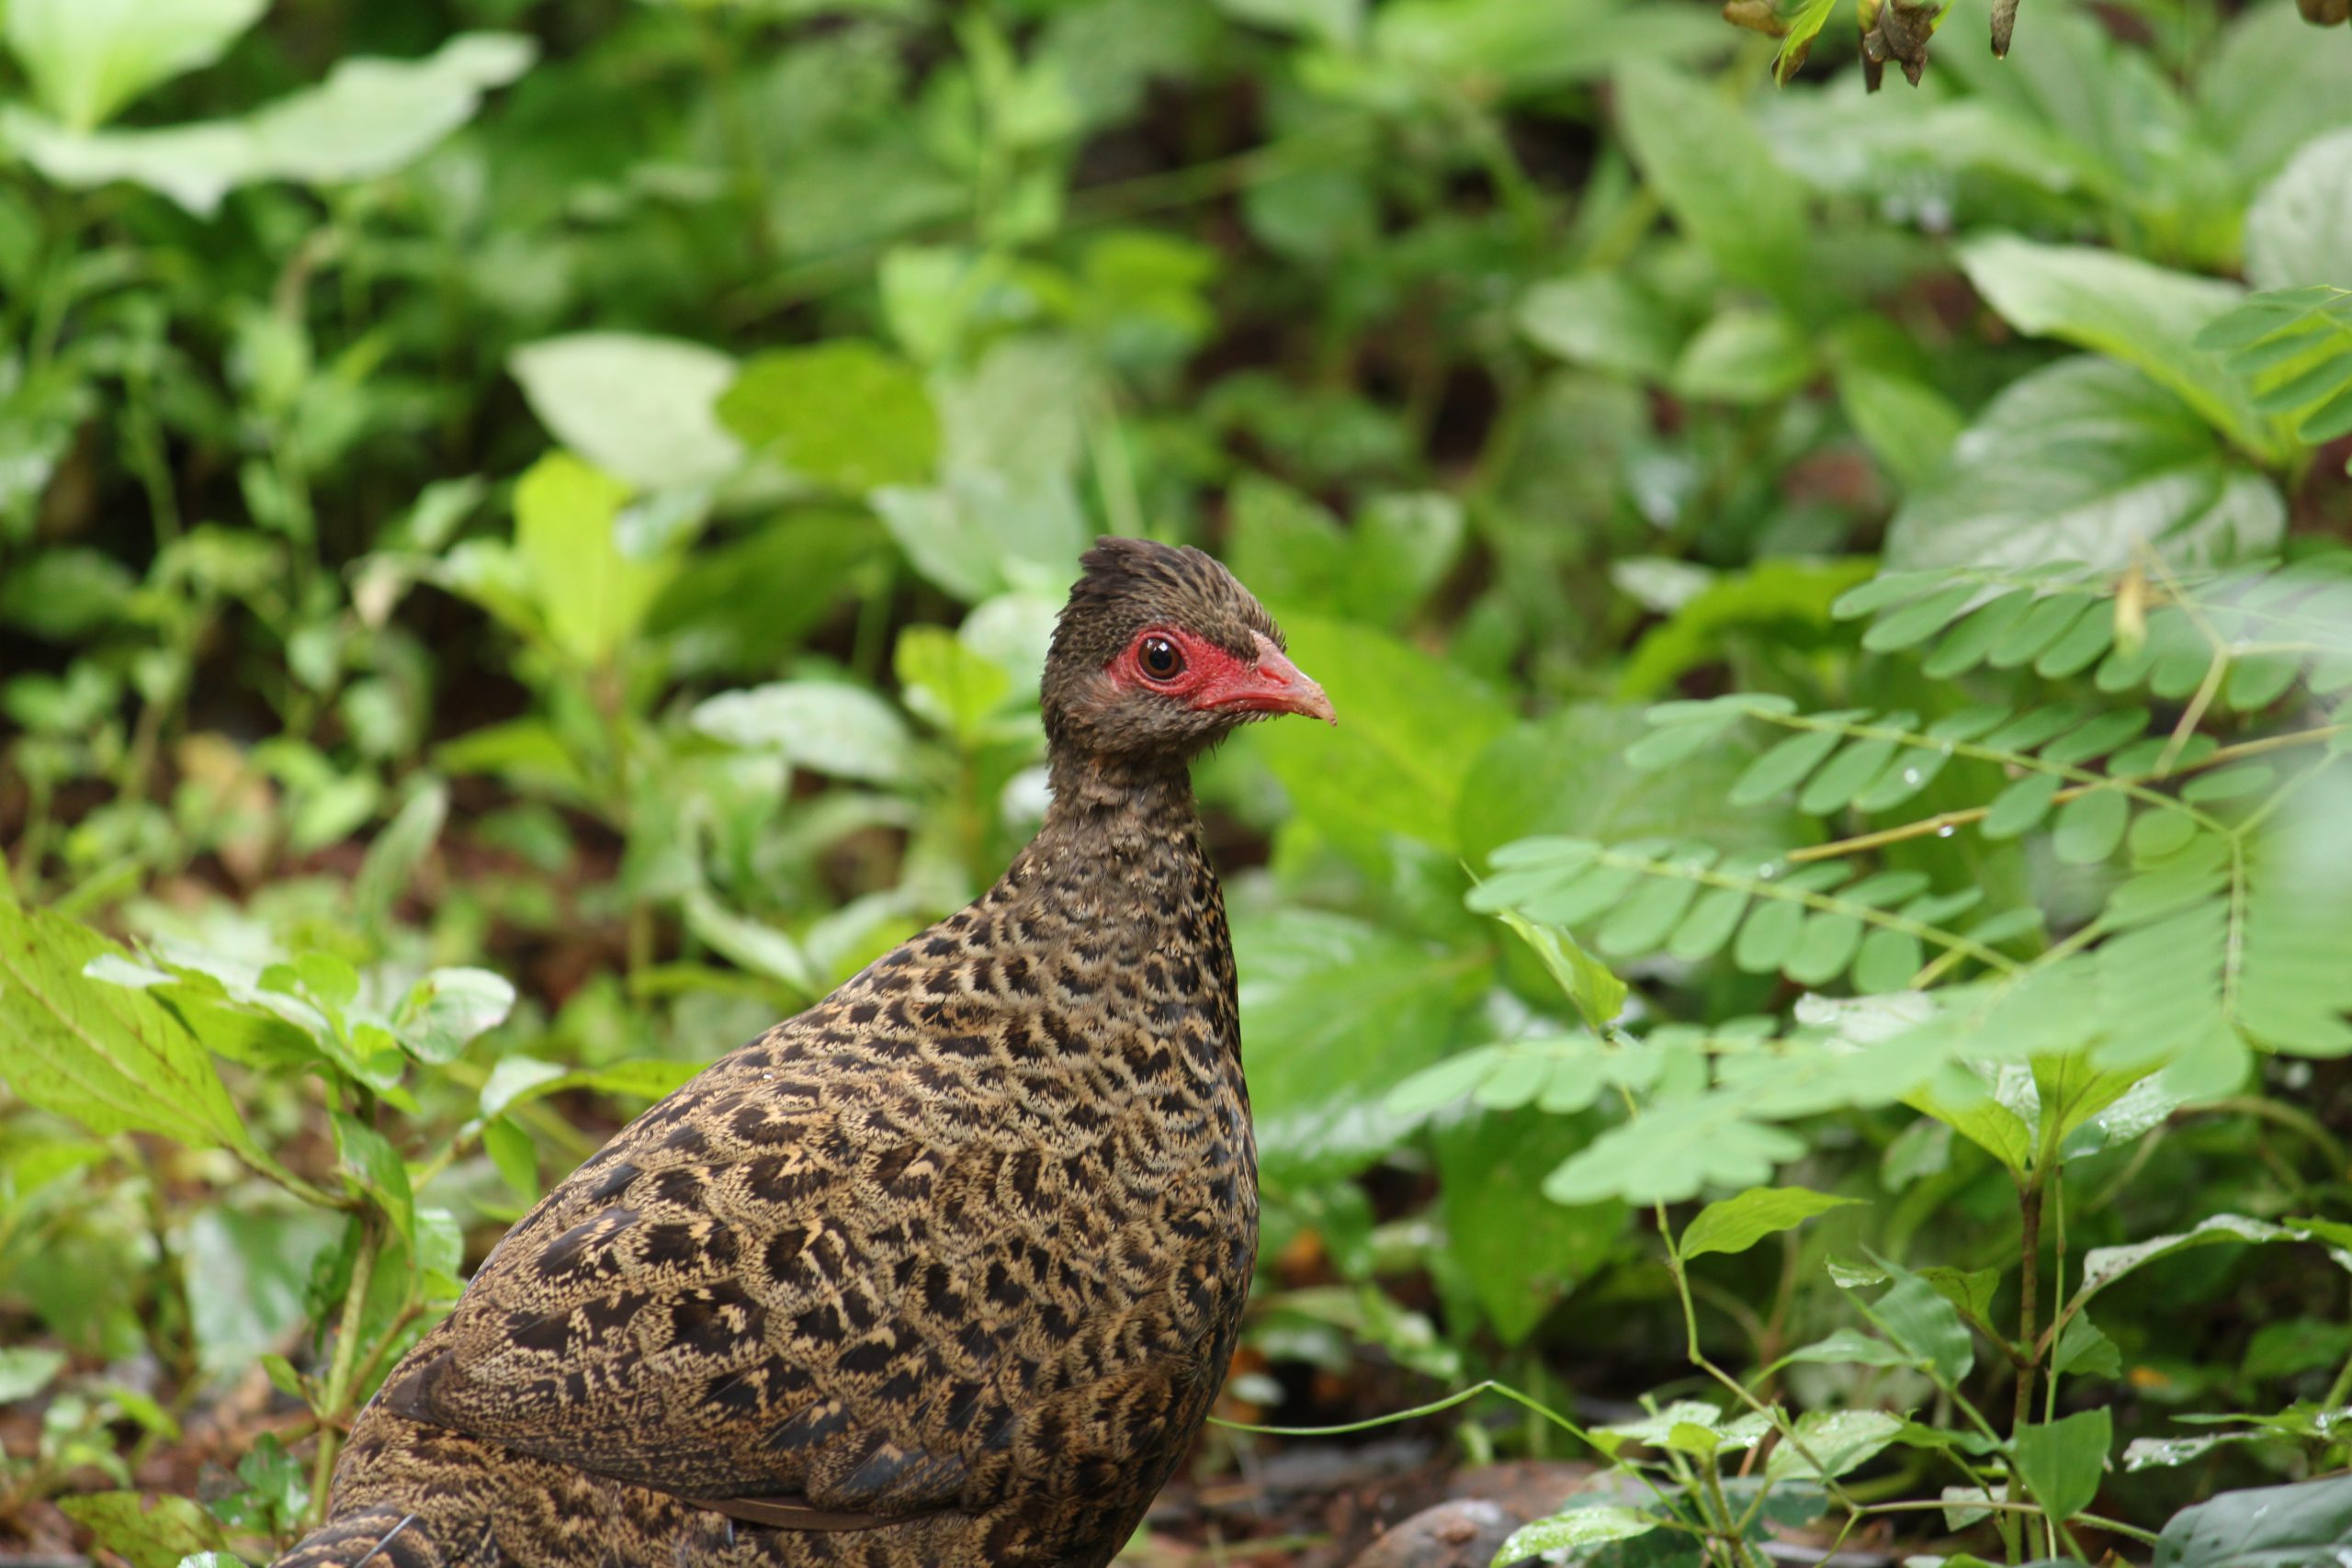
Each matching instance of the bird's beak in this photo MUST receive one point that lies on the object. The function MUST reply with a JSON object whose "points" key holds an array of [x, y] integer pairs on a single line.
{"points": [[1272, 684]]}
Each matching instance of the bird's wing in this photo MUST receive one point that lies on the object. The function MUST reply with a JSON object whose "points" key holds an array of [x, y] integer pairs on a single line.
{"points": [[835, 1274]]}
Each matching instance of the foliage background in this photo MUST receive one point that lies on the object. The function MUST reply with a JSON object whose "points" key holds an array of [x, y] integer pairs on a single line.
{"points": [[526, 534]]}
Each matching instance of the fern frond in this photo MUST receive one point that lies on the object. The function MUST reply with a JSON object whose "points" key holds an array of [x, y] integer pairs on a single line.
{"points": [[1813, 923]]}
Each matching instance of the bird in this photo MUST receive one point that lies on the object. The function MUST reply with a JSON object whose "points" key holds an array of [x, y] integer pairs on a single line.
{"points": [[946, 1270]]}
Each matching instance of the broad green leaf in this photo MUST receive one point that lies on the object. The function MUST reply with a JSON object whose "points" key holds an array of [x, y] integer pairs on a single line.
{"points": [[1849, 1347], [1522, 1252], [1337, 1013], [1909, 426], [1744, 356], [753, 944], [2103, 1266], [2268, 90], [2306, 1524], [2062, 1462], [246, 1271], [1590, 986], [640, 408], [2086, 460], [111, 1056], [1717, 175], [1735, 1225], [823, 725], [2116, 305], [2082, 1349], [88, 58], [368, 118], [844, 413], [979, 534], [591, 596], [149, 1533], [518, 1080], [1569, 772], [26, 1369], [948, 683], [447, 1008], [1915, 1315], [1601, 320], [1831, 1443], [1576, 1530], [1410, 727]]}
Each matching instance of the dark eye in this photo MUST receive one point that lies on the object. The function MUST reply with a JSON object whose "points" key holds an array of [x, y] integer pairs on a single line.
{"points": [[1159, 658]]}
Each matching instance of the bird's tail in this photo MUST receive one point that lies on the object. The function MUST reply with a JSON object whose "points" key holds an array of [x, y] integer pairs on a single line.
{"points": [[373, 1537]]}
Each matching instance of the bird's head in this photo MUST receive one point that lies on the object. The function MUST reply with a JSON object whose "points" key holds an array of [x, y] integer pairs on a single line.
{"points": [[1160, 653]]}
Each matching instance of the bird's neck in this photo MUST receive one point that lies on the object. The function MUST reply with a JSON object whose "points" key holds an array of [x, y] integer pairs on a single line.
{"points": [[1119, 804]]}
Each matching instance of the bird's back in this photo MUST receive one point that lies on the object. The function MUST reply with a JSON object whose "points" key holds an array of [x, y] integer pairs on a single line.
{"points": [[945, 1270]]}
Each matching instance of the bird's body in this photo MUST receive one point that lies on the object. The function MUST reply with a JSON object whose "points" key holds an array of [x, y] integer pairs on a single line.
{"points": [[944, 1270]]}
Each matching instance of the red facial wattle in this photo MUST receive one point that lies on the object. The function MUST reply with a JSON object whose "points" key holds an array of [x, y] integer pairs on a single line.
{"points": [[1211, 679]]}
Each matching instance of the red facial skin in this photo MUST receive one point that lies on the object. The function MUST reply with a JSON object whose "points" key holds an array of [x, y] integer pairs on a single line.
{"points": [[1212, 680]]}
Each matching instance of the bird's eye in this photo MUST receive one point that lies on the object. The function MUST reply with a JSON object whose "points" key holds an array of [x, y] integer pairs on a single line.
{"points": [[1159, 658]]}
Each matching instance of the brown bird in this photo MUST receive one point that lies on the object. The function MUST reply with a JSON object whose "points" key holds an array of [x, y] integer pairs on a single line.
{"points": [[944, 1270]]}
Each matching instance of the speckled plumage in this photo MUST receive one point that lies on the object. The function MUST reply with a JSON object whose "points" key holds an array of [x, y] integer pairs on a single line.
{"points": [[944, 1270]]}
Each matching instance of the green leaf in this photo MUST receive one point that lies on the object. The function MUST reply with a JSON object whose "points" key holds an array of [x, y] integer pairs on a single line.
{"points": [[26, 1369], [753, 944], [368, 118], [1410, 727], [1744, 356], [1338, 1012], [2085, 460], [2021, 804], [2090, 826], [640, 408], [1735, 1225], [948, 683], [1915, 1317], [2083, 1349], [2061, 1461], [447, 1008], [1831, 1443], [2103, 1266], [844, 413], [1601, 319], [1909, 426], [1522, 1252], [2116, 305], [591, 596], [1590, 986], [88, 58], [1576, 1530], [1847, 1346], [154, 1535], [1572, 771], [1717, 175], [517, 1159], [2299, 228], [826, 726], [1781, 769], [247, 1268], [398, 850], [379, 1171], [111, 1056], [2306, 1524]]}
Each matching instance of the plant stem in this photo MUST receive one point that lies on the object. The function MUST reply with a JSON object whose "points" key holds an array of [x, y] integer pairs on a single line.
{"points": [[334, 1401]]}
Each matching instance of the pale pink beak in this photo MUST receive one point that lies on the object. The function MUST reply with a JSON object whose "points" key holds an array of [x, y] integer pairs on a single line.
{"points": [[1273, 684]]}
